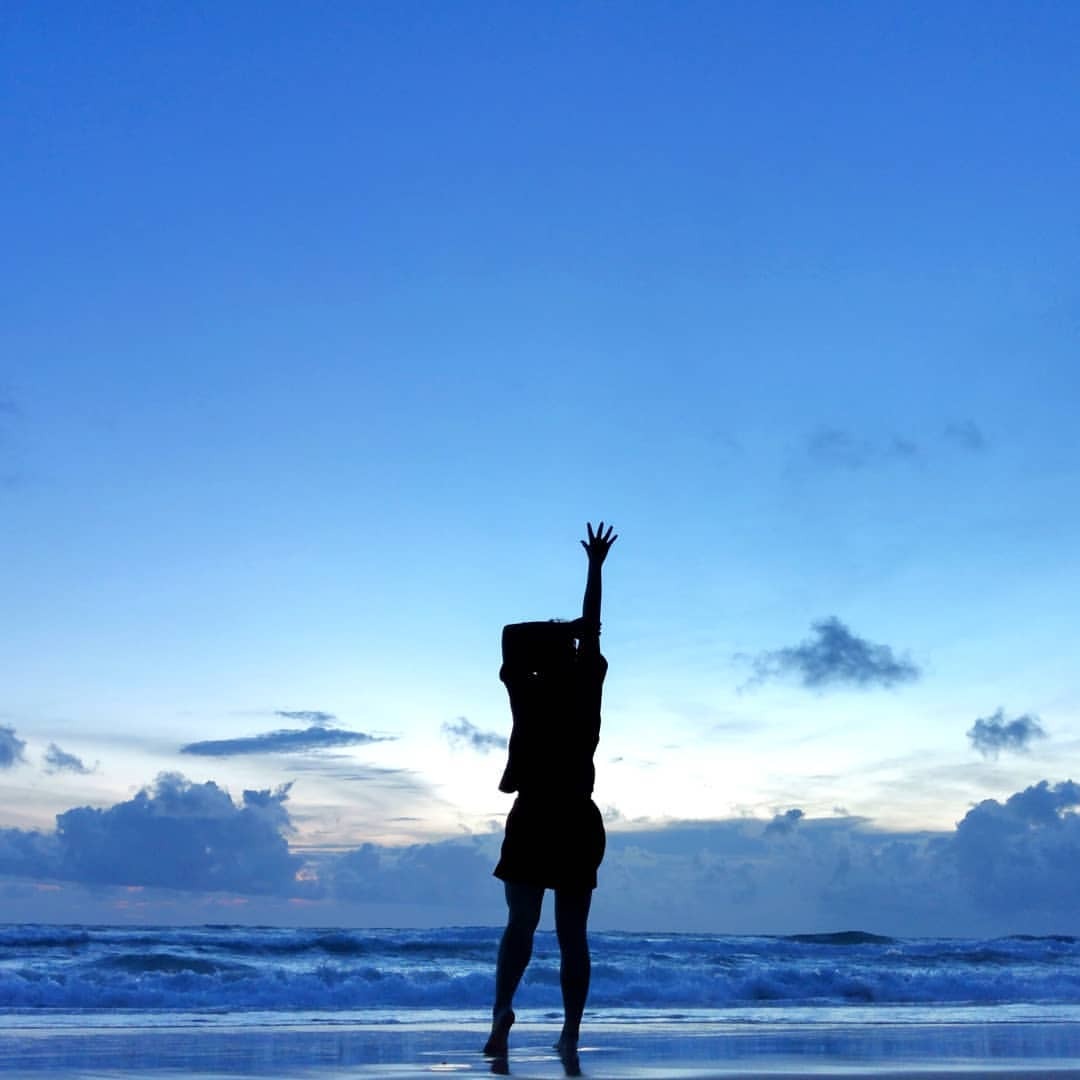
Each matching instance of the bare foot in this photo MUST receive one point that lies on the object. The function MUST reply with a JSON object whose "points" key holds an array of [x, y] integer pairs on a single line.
{"points": [[497, 1045], [568, 1055]]}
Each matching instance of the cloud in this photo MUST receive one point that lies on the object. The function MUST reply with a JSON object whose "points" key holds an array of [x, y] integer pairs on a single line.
{"points": [[967, 435], [280, 742], [1020, 855], [24, 853], [57, 760], [990, 735], [1008, 867], [307, 716], [902, 448], [462, 733], [182, 835], [831, 446], [839, 449], [836, 448], [733, 877], [450, 872], [11, 748], [174, 834], [835, 656], [782, 824]]}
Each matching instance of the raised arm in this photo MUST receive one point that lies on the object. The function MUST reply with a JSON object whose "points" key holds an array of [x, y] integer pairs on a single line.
{"points": [[596, 547]]}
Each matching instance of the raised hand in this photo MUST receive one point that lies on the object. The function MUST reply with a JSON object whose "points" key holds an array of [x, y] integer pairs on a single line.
{"points": [[599, 543]]}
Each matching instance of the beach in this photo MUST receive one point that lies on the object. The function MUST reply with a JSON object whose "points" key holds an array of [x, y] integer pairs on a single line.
{"points": [[125, 1002], [642, 1050]]}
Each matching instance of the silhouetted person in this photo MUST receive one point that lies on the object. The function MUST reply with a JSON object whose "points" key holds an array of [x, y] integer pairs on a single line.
{"points": [[554, 673]]}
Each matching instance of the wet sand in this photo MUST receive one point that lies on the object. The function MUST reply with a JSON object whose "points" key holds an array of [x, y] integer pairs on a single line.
{"points": [[611, 1051]]}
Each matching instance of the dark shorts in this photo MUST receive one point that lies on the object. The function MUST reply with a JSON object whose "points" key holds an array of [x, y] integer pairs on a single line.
{"points": [[552, 844]]}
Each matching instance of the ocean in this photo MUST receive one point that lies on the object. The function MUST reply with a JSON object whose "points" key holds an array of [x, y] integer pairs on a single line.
{"points": [[78, 993]]}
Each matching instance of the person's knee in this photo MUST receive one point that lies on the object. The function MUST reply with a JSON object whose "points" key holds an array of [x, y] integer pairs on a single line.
{"points": [[573, 941], [572, 936], [524, 904], [572, 911], [524, 922]]}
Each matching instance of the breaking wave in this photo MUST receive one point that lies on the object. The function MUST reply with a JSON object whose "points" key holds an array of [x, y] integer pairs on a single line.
{"points": [[244, 968]]}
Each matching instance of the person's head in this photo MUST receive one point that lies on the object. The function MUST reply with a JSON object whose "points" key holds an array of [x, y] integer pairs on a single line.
{"points": [[540, 646]]}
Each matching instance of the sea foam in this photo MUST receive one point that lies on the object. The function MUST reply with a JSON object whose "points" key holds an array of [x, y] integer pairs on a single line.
{"points": [[244, 968]]}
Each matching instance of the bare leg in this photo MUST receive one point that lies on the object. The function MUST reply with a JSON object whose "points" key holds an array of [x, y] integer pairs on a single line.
{"points": [[515, 949], [571, 919]]}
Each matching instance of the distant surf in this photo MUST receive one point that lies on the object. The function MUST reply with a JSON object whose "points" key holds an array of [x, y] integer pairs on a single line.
{"points": [[224, 968]]}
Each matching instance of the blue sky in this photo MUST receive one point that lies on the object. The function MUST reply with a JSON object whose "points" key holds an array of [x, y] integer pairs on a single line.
{"points": [[326, 330]]}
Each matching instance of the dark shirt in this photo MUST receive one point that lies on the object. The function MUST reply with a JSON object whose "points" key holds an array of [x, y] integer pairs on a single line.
{"points": [[556, 726]]}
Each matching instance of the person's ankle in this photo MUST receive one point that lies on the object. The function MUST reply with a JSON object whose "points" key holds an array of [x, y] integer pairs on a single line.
{"points": [[502, 1019], [567, 1049]]}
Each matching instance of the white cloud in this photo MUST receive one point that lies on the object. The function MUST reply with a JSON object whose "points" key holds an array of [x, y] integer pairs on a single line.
{"points": [[1008, 867]]}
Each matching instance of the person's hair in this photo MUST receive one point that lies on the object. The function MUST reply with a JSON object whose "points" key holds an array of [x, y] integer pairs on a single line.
{"points": [[536, 645]]}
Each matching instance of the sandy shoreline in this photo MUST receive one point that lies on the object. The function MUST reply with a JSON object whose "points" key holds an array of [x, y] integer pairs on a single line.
{"points": [[611, 1051]]}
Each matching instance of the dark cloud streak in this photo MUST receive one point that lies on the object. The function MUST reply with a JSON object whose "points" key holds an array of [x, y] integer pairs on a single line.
{"points": [[835, 448], [281, 742], [835, 656], [463, 733], [11, 748], [782, 824], [57, 760], [307, 716], [967, 435], [993, 734]]}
